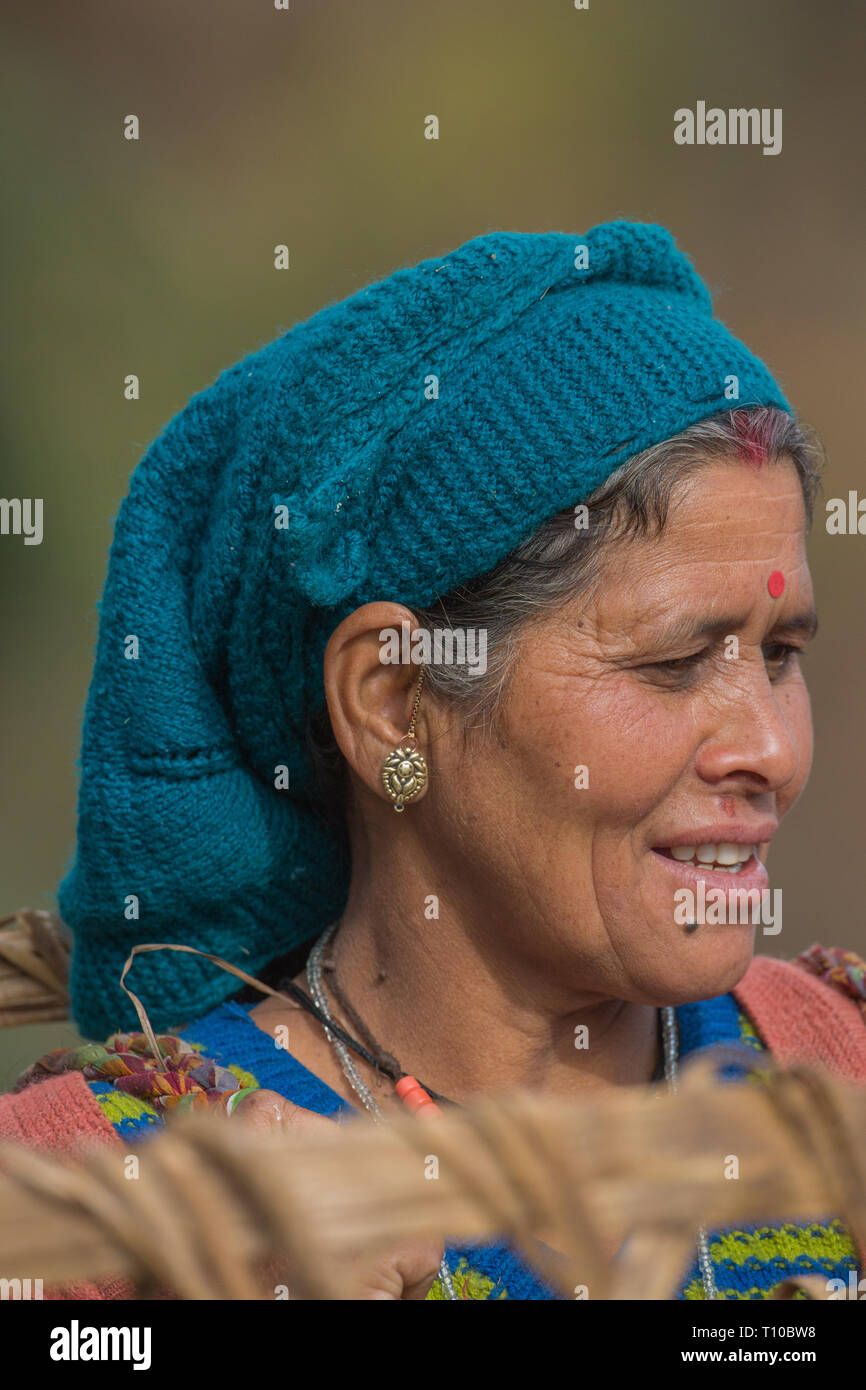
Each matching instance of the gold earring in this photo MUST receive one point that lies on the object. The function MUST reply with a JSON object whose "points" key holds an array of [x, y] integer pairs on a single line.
{"points": [[404, 771]]}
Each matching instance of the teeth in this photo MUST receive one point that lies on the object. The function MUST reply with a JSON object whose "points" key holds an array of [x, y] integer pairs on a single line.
{"points": [[722, 856]]}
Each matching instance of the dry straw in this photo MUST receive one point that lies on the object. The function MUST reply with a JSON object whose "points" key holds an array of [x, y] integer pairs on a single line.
{"points": [[34, 966], [219, 1209], [211, 1208]]}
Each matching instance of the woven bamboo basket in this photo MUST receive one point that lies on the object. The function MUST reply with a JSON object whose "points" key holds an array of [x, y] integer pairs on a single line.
{"points": [[565, 1182], [210, 1208], [34, 968]]}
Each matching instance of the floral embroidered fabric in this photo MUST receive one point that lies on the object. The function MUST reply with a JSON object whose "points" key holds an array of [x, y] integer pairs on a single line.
{"points": [[125, 1061]]}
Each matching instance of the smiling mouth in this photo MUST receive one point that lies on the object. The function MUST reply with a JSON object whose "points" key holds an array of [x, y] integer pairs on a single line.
{"points": [[721, 858]]}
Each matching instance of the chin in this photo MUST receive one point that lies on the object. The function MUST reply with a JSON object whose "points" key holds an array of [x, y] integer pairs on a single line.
{"points": [[709, 962]]}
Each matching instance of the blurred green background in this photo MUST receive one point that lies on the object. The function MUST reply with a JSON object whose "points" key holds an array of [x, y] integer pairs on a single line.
{"points": [[261, 126]]}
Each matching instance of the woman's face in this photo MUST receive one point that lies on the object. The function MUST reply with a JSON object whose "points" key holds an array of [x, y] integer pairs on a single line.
{"points": [[688, 738]]}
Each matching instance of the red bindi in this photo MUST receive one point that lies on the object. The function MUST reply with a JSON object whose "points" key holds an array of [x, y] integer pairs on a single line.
{"points": [[776, 584]]}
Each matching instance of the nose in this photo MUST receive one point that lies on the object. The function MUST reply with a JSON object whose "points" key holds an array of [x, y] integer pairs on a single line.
{"points": [[753, 740]]}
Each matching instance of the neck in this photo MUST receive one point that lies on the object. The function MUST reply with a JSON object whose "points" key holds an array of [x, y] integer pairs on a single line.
{"points": [[461, 1009]]}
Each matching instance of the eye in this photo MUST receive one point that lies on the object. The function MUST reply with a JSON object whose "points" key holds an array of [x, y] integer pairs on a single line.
{"points": [[681, 663], [780, 656], [779, 659], [679, 670]]}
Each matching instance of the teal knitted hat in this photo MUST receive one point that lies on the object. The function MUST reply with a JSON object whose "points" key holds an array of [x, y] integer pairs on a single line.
{"points": [[394, 445]]}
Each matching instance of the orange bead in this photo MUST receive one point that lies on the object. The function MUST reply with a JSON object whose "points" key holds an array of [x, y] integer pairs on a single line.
{"points": [[414, 1097]]}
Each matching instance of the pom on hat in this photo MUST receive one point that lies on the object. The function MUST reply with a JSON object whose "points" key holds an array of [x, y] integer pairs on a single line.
{"points": [[394, 445]]}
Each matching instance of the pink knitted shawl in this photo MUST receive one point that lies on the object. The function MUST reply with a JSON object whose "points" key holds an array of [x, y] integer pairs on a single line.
{"points": [[802, 1020], [798, 1016]]}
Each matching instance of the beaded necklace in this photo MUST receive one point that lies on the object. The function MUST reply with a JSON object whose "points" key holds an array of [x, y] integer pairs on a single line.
{"points": [[418, 1098]]}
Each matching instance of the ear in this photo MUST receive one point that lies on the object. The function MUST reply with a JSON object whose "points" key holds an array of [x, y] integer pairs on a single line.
{"points": [[370, 700]]}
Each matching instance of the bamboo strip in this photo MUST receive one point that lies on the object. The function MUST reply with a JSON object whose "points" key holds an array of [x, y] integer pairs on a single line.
{"points": [[212, 1199]]}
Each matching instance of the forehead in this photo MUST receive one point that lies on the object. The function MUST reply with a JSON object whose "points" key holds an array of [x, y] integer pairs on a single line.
{"points": [[732, 512], [729, 527]]}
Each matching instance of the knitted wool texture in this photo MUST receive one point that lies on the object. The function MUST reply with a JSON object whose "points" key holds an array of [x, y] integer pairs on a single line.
{"points": [[323, 471], [748, 1262]]}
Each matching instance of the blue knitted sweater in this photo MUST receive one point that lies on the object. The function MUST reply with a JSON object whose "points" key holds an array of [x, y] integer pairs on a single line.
{"points": [[748, 1263]]}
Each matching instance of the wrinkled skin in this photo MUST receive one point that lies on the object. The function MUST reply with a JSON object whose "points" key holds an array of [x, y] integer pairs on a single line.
{"points": [[554, 910]]}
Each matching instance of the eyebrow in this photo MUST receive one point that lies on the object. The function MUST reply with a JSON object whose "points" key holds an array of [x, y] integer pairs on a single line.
{"points": [[688, 628]]}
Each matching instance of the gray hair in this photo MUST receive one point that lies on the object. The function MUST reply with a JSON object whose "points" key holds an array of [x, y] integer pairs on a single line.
{"points": [[562, 560]]}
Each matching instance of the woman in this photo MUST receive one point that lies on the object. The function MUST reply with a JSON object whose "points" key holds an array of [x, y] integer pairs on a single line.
{"points": [[551, 452]]}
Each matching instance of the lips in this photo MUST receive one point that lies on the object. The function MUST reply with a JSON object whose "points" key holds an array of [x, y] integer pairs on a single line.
{"points": [[718, 853], [751, 874], [758, 833], [726, 856]]}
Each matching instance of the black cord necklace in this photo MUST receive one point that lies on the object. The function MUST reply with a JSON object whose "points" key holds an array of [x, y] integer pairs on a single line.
{"points": [[375, 1055], [381, 1062]]}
